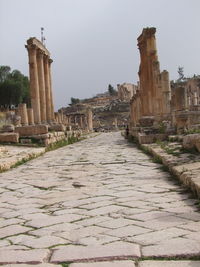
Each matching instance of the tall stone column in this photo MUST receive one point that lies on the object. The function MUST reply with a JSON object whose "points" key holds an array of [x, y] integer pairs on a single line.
{"points": [[56, 116], [47, 89], [34, 84], [90, 119], [41, 80], [30, 116], [51, 91], [22, 111]]}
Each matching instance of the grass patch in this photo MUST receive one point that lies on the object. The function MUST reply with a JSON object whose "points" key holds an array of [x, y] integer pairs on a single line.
{"points": [[61, 143], [157, 159], [175, 258], [65, 264]]}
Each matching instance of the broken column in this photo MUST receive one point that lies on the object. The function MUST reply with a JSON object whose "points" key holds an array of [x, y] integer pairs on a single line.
{"points": [[154, 85], [30, 116], [22, 111], [90, 119]]}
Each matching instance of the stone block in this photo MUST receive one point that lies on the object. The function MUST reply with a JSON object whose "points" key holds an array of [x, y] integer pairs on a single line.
{"points": [[120, 250], [105, 264], [162, 263], [33, 256], [57, 128], [31, 130], [9, 137], [191, 141], [150, 138], [8, 128]]}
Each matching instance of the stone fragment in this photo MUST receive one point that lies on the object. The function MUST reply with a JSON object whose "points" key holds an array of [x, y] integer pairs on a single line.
{"points": [[9, 137], [31, 130]]}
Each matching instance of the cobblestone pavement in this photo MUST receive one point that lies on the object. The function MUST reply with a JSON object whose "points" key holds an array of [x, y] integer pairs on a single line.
{"points": [[102, 200]]}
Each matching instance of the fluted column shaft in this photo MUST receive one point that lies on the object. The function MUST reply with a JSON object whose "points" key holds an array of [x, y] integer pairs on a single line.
{"points": [[30, 116], [41, 80], [51, 91], [22, 111], [47, 89], [34, 84]]}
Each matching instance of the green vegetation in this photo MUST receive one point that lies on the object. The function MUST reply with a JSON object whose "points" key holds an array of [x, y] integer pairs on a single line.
{"points": [[111, 90], [65, 142], [14, 87], [74, 101]]}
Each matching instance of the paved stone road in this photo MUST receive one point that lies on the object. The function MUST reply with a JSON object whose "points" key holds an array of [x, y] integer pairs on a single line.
{"points": [[97, 200]]}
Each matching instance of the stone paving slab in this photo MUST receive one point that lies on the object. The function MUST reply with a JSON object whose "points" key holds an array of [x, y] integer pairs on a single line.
{"points": [[10, 155], [105, 264], [21, 256], [120, 250], [31, 265], [99, 198], [169, 264]]}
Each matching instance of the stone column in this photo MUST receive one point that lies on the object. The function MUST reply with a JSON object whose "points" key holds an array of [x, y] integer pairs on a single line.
{"points": [[195, 99], [51, 91], [47, 89], [41, 80], [56, 116], [59, 118], [22, 111], [34, 84], [90, 119], [81, 122], [30, 116]]}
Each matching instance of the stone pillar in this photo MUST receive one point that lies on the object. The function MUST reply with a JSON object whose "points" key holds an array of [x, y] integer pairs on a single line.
{"points": [[47, 89], [41, 80], [22, 111], [56, 116], [51, 91], [195, 99], [59, 118], [90, 119], [30, 116], [34, 84], [81, 122]]}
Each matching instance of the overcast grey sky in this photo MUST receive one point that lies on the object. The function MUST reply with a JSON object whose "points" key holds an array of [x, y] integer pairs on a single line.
{"points": [[94, 42]]}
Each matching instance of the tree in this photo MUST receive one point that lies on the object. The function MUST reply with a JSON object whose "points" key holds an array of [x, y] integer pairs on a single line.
{"points": [[4, 72], [111, 90], [74, 101], [14, 87], [181, 73]]}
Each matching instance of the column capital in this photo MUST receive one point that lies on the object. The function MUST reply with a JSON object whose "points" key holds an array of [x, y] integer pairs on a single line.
{"points": [[31, 47], [40, 53]]}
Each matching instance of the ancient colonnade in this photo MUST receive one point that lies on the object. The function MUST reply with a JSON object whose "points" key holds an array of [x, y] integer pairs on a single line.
{"points": [[40, 82]]}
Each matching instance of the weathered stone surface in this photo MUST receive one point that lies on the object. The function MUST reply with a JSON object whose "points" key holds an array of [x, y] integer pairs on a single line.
{"points": [[13, 230], [31, 130], [78, 253], [163, 263], [105, 264], [9, 137], [174, 247], [57, 127], [8, 128], [31, 265], [123, 203], [16, 256]]}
